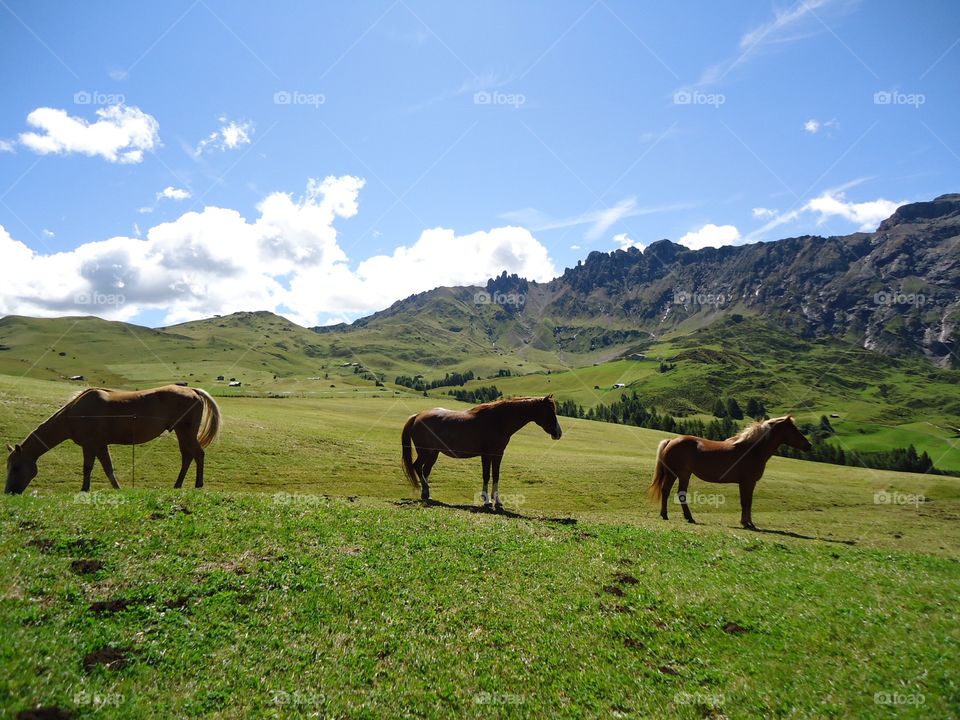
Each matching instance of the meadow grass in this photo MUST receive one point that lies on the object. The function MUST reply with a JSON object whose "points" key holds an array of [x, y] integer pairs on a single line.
{"points": [[305, 580]]}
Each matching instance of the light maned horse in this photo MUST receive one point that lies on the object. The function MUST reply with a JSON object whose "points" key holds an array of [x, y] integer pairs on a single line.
{"points": [[740, 459], [483, 430], [96, 418]]}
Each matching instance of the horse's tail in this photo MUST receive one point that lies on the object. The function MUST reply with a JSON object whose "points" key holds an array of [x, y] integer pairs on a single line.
{"points": [[210, 425], [407, 445], [660, 475]]}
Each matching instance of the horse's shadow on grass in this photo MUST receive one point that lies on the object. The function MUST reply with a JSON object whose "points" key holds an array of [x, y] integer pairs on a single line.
{"points": [[479, 509], [798, 536]]}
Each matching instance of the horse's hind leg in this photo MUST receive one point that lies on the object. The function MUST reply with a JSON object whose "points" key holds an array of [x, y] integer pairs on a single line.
{"points": [[682, 495], [89, 456], [103, 454], [190, 450], [665, 492]]}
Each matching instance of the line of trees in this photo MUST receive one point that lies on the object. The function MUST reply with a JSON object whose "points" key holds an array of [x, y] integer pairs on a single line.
{"points": [[478, 395], [629, 410], [418, 382]]}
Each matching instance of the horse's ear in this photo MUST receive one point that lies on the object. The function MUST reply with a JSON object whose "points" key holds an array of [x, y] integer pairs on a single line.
{"points": [[10, 447], [548, 397], [17, 448]]}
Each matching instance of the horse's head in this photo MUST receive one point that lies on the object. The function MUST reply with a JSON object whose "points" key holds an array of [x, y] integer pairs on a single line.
{"points": [[790, 434], [21, 469], [546, 417]]}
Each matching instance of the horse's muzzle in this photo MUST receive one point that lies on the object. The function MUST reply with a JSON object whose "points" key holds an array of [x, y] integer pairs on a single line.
{"points": [[557, 433]]}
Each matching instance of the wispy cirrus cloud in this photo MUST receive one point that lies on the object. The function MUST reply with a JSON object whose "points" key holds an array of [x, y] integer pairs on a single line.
{"points": [[599, 221], [787, 26]]}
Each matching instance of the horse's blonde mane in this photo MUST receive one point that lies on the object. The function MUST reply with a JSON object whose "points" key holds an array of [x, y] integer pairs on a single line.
{"points": [[757, 431]]}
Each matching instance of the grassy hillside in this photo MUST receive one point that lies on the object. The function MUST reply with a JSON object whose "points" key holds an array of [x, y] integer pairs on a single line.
{"points": [[882, 402], [306, 581]]}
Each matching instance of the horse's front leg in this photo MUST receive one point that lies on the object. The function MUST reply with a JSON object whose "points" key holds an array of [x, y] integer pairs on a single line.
{"points": [[89, 455], [746, 504], [484, 496], [497, 505], [104, 455]]}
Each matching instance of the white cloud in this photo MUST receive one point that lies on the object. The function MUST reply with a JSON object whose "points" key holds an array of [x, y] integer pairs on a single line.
{"points": [[762, 212], [813, 126], [7, 146], [230, 136], [623, 242], [287, 259], [121, 134], [48, 233], [831, 204], [599, 220], [710, 235], [786, 26], [172, 193]]}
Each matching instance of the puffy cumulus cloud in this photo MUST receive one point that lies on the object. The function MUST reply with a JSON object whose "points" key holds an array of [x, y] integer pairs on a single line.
{"points": [[229, 136], [172, 193], [828, 205], [623, 241], [120, 135], [763, 213], [867, 215], [710, 235], [439, 257], [286, 259]]}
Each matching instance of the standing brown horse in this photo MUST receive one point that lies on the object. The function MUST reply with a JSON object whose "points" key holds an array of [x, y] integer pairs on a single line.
{"points": [[740, 459], [96, 418], [483, 430]]}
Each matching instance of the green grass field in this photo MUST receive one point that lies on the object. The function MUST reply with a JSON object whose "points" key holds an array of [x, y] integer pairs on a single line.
{"points": [[305, 580]]}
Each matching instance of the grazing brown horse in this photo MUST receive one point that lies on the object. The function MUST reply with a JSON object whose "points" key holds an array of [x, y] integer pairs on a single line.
{"points": [[95, 418], [483, 430], [740, 459]]}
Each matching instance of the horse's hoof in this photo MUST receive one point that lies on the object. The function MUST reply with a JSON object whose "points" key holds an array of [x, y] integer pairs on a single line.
{"points": [[498, 507], [664, 517], [749, 526], [691, 521], [488, 507]]}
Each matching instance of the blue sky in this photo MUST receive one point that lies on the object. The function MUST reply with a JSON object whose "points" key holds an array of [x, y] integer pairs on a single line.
{"points": [[171, 161]]}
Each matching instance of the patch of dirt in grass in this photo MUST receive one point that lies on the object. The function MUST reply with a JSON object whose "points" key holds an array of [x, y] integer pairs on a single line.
{"points": [[732, 628], [667, 670], [28, 525], [84, 545], [112, 658], [614, 590], [633, 644], [86, 567], [51, 712], [109, 607], [44, 545], [623, 578]]}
